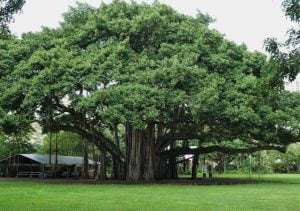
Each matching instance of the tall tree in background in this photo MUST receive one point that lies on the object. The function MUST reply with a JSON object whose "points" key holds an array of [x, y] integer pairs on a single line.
{"points": [[286, 56], [68, 144], [8, 8]]}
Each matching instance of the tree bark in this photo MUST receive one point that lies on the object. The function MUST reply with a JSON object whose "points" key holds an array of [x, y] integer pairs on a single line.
{"points": [[140, 153], [195, 166], [149, 153], [95, 158], [224, 164], [172, 167], [185, 163], [133, 153], [116, 165], [85, 174], [101, 175]]}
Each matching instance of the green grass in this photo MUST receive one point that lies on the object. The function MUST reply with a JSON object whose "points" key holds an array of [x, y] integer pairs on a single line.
{"points": [[283, 193]]}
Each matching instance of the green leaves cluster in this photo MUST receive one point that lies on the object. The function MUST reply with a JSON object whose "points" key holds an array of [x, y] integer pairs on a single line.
{"points": [[7, 9], [138, 63]]}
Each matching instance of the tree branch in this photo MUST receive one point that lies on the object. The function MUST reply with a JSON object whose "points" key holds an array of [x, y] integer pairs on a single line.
{"points": [[94, 137], [210, 149]]}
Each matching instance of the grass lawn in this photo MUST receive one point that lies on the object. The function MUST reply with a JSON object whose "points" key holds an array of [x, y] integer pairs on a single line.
{"points": [[283, 193]]}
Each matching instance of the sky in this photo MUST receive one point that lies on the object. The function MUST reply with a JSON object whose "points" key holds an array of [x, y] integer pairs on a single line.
{"points": [[242, 21]]}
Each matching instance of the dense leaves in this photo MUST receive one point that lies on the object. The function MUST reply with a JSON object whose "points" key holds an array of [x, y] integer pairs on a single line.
{"points": [[136, 64], [286, 56]]}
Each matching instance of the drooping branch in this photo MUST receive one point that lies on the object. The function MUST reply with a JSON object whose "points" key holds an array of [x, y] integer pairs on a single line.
{"points": [[92, 136], [184, 160], [210, 149]]}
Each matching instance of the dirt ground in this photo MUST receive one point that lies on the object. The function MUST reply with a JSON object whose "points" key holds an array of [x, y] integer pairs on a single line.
{"points": [[201, 181]]}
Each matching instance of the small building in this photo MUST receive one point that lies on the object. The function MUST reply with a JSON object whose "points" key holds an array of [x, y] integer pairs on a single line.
{"points": [[30, 165]]}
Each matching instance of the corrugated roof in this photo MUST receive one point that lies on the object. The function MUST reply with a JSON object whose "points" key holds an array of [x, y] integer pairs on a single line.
{"points": [[61, 160]]}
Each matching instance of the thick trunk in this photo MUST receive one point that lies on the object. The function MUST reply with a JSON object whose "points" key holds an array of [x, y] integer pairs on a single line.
{"points": [[134, 153], [149, 152], [140, 153], [195, 166]]}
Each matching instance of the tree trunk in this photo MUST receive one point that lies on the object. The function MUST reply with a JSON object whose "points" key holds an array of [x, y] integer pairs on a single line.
{"points": [[149, 152], [140, 154], [95, 161], [134, 153], [172, 167], [298, 166], [185, 163], [85, 174], [116, 165], [224, 163], [101, 175], [160, 168], [195, 166]]}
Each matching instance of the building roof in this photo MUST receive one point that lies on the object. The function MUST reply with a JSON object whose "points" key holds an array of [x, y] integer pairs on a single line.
{"points": [[61, 160]]}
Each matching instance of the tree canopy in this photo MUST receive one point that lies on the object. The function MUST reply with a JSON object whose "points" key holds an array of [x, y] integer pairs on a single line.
{"points": [[159, 76], [7, 9]]}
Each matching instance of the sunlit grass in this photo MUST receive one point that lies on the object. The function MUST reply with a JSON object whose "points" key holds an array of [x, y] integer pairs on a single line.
{"points": [[282, 193]]}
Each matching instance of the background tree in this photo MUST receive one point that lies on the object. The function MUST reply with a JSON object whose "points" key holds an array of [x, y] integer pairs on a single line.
{"points": [[286, 56], [8, 8], [68, 144]]}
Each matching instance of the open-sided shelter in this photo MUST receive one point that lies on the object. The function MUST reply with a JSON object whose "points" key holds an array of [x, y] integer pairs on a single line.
{"points": [[41, 165]]}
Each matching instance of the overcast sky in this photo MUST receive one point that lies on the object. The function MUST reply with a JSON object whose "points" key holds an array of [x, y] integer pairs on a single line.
{"points": [[243, 21], [248, 21]]}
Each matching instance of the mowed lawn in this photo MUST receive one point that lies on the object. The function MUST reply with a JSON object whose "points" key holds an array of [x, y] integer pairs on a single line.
{"points": [[283, 193]]}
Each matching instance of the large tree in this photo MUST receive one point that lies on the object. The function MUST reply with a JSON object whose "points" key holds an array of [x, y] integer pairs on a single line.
{"points": [[137, 79]]}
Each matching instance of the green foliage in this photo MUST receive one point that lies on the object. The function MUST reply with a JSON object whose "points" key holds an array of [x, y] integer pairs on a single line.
{"points": [[7, 9], [138, 63], [68, 144], [14, 145], [286, 56], [292, 9]]}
